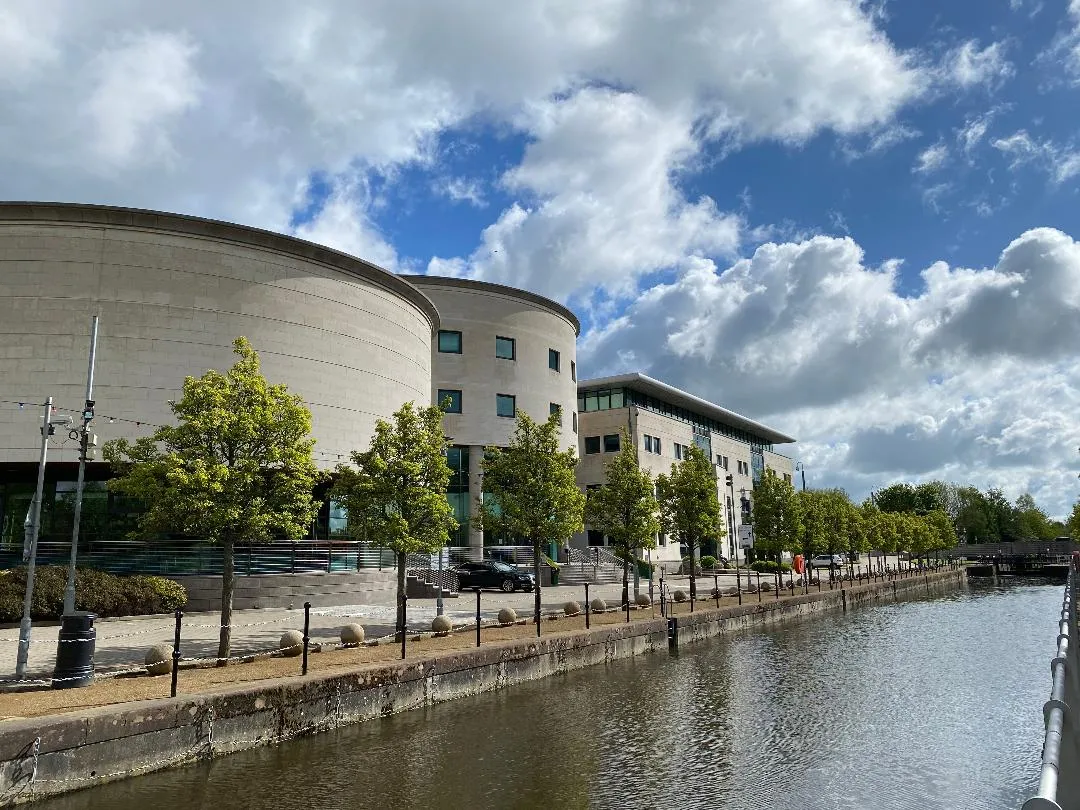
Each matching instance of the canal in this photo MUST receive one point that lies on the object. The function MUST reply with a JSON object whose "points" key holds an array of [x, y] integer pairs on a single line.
{"points": [[925, 703]]}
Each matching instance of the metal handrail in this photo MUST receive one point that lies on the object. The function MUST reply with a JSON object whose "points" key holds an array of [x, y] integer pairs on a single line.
{"points": [[1054, 709]]}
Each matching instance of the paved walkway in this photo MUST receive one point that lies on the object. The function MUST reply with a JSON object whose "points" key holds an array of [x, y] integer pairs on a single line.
{"points": [[122, 642]]}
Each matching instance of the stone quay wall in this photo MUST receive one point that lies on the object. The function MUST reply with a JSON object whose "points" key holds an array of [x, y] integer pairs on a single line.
{"points": [[45, 756]]}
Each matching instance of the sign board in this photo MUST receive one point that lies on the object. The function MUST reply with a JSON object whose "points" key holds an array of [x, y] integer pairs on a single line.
{"points": [[746, 536]]}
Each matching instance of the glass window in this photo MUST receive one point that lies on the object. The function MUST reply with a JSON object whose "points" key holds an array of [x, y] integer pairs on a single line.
{"points": [[553, 360], [592, 445], [553, 408], [678, 451], [574, 415], [611, 443], [505, 348], [449, 342], [656, 445], [505, 405], [603, 400], [573, 371], [617, 398], [454, 406]]}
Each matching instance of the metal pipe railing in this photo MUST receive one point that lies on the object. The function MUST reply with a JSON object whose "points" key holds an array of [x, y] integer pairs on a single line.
{"points": [[1055, 707]]}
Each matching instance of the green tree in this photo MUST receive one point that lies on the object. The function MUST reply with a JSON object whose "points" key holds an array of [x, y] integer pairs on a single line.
{"points": [[624, 508], [1031, 521], [689, 505], [857, 534], [1072, 525], [899, 497], [944, 533], [530, 491], [972, 519], [812, 532], [395, 497], [237, 468], [776, 515]]}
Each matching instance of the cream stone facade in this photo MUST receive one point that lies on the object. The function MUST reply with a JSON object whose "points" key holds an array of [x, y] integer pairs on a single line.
{"points": [[173, 292], [659, 419], [498, 343]]}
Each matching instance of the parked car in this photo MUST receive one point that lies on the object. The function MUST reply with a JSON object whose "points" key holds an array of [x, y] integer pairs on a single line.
{"points": [[827, 561], [493, 574]]}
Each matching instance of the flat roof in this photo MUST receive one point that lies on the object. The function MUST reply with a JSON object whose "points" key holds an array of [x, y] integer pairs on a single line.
{"points": [[676, 396], [119, 217], [501, 289]]}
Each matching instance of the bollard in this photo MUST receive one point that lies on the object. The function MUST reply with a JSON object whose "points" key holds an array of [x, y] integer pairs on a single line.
{"points": [[673, 633], [176, 654], [307, 636], [75, 651], [776, 584], [628, 606], [477, 616], [716, 589], [843, 598], [587, 611], [404, 623]]}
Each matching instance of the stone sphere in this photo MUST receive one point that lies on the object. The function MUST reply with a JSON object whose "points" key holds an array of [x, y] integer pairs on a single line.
{"points": [[643, 599], [291, 643], [571, 608], [158, 660], [598, 605], [441, 624], [507, 616], [680, 596], [352, 634]]}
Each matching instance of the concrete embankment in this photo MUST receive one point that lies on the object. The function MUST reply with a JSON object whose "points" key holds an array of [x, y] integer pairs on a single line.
{"points": [[50, 755]]}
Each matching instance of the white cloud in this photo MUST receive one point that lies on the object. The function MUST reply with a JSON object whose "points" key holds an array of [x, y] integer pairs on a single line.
{"points": [[810, 338], [343, 223], [974, 130], [1059, 162], [460, 189], [931, 159], [968, 65]]}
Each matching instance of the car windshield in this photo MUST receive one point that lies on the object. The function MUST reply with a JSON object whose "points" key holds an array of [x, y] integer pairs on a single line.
{"points": [[501, 566]]}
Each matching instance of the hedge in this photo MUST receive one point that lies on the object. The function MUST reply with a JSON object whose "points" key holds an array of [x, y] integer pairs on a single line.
{"points": [[96, 591], [769, 566]]}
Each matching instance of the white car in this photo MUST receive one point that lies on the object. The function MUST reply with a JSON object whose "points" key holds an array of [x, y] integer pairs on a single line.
{"points": [[827, 561]]}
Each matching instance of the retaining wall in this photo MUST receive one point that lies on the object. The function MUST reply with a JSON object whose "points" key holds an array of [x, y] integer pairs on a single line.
{"points": [[51, 755], [292, 590]]}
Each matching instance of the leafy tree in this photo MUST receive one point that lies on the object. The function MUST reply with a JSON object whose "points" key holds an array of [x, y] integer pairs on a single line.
{"points": [[944, 534], [857, 535], [1003, 518], [812, 531], [776, 515], [896, 498], [624, 508], [396, 495], [1072, 525], [689, 505], [236, 469], [530, 490], [972, 520], [1031, 521]]}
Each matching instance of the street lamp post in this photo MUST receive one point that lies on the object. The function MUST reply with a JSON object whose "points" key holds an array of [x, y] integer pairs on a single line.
{"points": [[23, 653], [730, 480]]}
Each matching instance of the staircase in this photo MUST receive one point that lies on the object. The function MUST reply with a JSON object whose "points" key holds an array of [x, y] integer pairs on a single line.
{"points": [[423, 578], [594, 565]]}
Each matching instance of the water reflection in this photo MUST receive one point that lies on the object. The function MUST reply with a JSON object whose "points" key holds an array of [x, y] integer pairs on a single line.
{"points": [[910, 705]]}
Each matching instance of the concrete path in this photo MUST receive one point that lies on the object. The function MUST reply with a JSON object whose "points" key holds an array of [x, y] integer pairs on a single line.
{"points": [[122, 642]]}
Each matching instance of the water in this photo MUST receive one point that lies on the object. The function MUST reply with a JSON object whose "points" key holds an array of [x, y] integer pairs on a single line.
{"points": [[919, 704]]}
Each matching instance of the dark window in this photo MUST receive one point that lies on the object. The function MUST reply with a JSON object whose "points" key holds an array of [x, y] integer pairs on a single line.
{"points": [[592, 445], [505, 405], [505, 348], [611, 443], [555, 407], [454, 406], [574, 415], [573, 371], [553, 360], [595, 538], [449, 342]]}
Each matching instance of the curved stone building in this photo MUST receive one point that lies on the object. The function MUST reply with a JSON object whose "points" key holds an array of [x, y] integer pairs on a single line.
{"points": [[499, 351], [173, 292]]}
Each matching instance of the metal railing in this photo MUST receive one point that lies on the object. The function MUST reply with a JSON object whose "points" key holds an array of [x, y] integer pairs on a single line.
{"points": [[1055, 708]]}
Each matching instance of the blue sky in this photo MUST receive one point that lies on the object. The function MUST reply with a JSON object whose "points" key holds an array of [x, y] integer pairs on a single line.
{"points": [[853, 220]]}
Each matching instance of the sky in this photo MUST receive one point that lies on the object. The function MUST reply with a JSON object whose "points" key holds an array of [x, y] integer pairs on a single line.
{"points": [[853, 221]]}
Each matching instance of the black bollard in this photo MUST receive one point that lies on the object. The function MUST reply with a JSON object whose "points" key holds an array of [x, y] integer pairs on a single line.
{"points": [[75, 652], [716, 589], [477, 616], [307, 636], [176, 654]]}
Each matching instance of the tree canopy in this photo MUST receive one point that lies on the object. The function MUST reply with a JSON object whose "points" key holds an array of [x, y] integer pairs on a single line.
{"points": [[689, 504], [776, 516], [236, 468]]}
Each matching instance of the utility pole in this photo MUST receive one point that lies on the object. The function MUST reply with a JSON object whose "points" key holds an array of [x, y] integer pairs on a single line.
{"points": [[35, 531], [84, 449]]}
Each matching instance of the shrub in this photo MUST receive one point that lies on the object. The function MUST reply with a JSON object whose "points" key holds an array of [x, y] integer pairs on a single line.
{"points": [[645, 568], [685, 567], [95, 591], [708, 562], [770, 566]]}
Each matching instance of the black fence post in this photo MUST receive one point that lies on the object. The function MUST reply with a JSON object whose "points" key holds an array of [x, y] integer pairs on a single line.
{"points": [[292, 559], [759, 586], [176, 653], [404, 623], [586, 605], [716, 588], [628, 606], [477, 616], [329, 557], [307, 636]]}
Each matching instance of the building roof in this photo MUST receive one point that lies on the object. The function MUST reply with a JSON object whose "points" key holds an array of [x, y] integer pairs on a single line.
{"points": [[676, 396], [501, 289], [200, 227]]}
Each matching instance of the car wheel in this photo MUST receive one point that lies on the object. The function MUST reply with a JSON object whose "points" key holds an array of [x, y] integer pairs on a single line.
{"points": [[509, 586]]}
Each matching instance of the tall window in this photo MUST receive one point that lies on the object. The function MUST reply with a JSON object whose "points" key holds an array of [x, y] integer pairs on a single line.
{"points": [[449, 342], [574, 416], [553, 360], [721, 461], [573, 371], [592, 445], [555, 407], [505, 348], [506, 405], [652, 444], [455, 400], [611, 443]]}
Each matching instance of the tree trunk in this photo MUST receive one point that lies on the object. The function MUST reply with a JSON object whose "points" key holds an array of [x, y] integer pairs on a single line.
{"points": [[228, 581], [401, 614], [536, 586], [625, 581]]}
